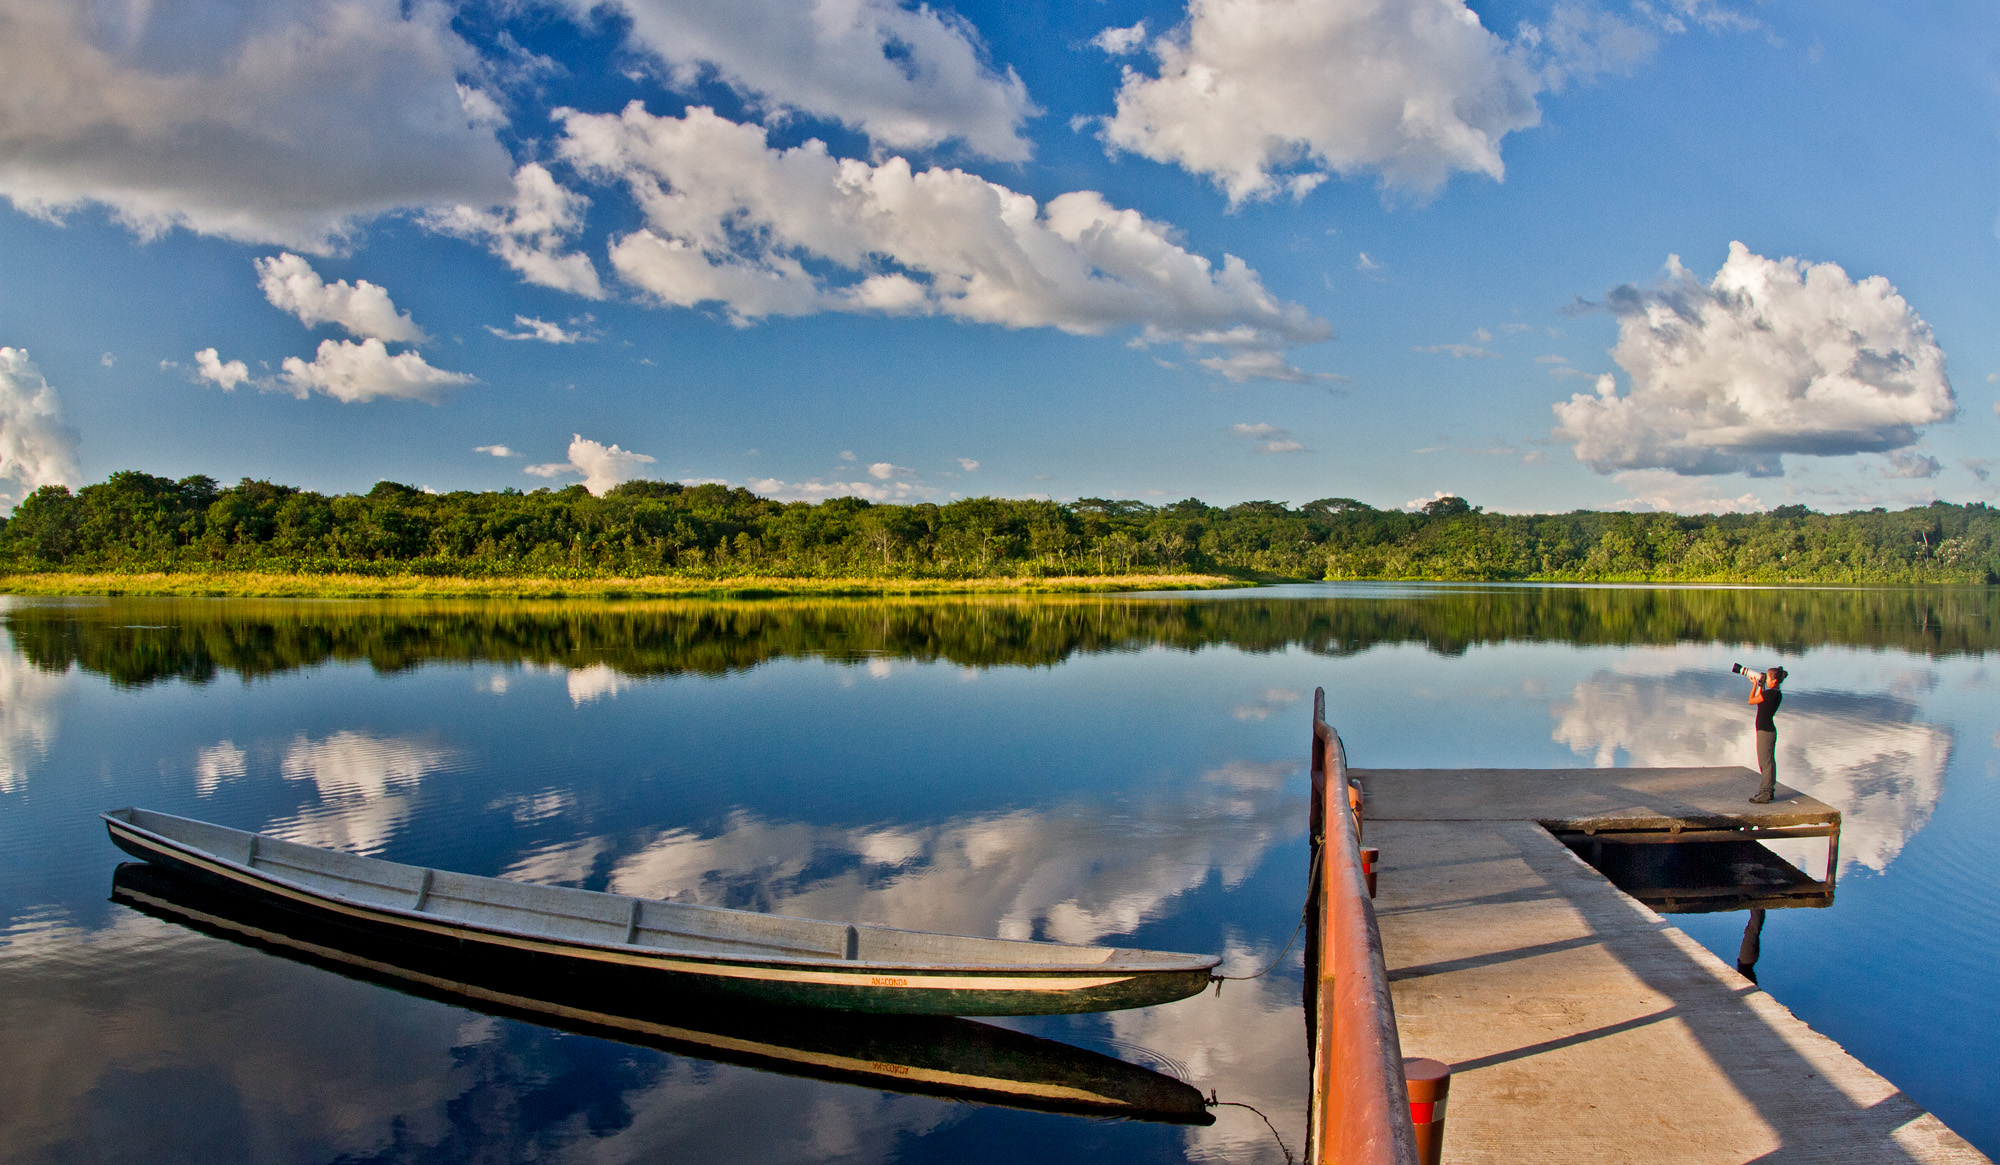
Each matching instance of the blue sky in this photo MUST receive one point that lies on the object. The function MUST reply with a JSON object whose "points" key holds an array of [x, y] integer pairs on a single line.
{"points": [[1244, 249]]}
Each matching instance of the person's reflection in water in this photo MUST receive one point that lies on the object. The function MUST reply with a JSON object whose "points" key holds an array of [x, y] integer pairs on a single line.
{"points": [[1753, 944]]}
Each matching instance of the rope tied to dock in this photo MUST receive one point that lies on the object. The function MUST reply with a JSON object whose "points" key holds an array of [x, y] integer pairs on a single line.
{"points": [[1212, 1102], [1305, 913]]}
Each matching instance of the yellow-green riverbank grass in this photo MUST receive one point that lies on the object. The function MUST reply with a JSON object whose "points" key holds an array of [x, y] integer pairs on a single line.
{"points": [[261, 585]]}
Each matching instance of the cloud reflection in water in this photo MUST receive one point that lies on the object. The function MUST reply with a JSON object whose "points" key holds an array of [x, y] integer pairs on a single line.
{"points": [[368, 785], [1865, 753], [1072, 873], [28, 695], [1252, 1039], [142, 1036]]}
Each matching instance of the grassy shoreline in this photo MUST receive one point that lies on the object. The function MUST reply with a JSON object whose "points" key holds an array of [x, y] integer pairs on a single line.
{"points": [[268, 585]]}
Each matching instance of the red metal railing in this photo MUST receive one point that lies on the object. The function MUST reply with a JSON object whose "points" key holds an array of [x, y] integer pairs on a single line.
{"points": [[1360, 1102]]}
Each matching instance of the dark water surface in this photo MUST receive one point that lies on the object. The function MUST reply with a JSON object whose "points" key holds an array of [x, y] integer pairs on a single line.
{"points": [[1127, 770]]}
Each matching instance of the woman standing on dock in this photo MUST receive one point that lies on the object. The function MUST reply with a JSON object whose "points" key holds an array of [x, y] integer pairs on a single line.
{"points": [[1765, 695]]}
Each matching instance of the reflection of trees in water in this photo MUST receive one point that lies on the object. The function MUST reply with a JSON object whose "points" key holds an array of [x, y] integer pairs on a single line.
{"points": [[1867, 756], [141, 641]]}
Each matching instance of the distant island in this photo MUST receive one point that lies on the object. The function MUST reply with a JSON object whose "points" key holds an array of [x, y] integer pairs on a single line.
{"points": [[137, 533]]}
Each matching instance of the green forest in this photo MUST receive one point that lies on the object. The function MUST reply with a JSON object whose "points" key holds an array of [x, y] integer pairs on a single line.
{"points": [[137, 522]]}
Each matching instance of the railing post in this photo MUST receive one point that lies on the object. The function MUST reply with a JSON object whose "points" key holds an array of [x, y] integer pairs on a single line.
{"points": [[1429, 1083]]}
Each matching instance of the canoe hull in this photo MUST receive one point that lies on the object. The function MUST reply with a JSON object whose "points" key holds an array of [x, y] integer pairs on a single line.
{"points": [[955, 991], [959, 1059]]}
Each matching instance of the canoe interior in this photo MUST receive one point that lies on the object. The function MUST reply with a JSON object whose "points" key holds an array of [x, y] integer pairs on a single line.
{"points": [[596, 919], [953, 1058]]}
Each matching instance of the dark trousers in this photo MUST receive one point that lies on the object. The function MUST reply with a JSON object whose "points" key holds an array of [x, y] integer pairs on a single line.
{"points": [[1767, 763]]}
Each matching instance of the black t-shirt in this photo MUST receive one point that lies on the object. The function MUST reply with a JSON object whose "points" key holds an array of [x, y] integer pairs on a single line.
{"points": [[1769, 708]]}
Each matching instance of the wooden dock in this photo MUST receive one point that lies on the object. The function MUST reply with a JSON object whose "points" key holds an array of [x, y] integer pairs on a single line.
{"points": [[1582, 1026]]}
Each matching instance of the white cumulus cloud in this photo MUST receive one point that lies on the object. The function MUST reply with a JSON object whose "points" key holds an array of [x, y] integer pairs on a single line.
{"points": [[1773, 356], [280, 122], [602, 466], [1269, 438], [1665, 492], [817, 490], [363, 308], [530, 232], [1121, 41], [1910, 463], [908, 76], [1271, 96], [762, 231], [36, 447], [366, 371], [1254, 363], [495, 450], [1415, 89], [532, 328], [209, 366], [1457, 351]]}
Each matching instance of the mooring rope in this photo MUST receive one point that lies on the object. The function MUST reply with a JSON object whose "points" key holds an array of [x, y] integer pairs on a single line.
{"points": [[1305, 912], [1212, 1102]]}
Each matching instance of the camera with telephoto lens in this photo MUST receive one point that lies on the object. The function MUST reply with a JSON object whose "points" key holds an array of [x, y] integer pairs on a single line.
{"points": [[1739, 669]]}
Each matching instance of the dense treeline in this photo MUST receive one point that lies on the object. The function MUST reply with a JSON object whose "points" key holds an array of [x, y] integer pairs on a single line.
{"points": [[136, 521], [142, 641]]}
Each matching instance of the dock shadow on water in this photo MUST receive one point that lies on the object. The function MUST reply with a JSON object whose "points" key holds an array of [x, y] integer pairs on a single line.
{"points": [[1118, 769], [1714, 877], [1703, 877]]}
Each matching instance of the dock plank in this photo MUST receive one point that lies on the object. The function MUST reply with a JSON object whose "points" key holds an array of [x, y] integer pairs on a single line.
{"points": [[1581, 1025]]}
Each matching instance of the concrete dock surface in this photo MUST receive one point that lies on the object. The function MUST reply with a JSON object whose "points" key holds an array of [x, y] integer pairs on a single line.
{"points": [[1603, 798], [1581, 1025]]}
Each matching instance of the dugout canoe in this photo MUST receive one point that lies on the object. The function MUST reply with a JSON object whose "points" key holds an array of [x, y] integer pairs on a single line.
{"points": [[957, 1059], [669, 946]]}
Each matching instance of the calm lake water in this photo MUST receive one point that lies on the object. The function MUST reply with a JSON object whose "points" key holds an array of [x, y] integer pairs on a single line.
{"points": [[1125, 769]]}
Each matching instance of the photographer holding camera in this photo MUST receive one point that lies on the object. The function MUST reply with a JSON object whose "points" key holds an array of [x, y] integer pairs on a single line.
{"points": [[1765, 695]]}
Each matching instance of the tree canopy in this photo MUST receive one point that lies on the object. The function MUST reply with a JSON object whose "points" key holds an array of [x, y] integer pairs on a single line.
{"points": [[136, 521]]}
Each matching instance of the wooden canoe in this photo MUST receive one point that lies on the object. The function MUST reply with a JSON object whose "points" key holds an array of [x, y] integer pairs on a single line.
{"points": [[959, 1059], [671, 946]]}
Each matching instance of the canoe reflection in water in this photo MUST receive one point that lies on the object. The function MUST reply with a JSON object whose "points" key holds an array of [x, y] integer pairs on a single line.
{"points": [[956, 1059]]}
